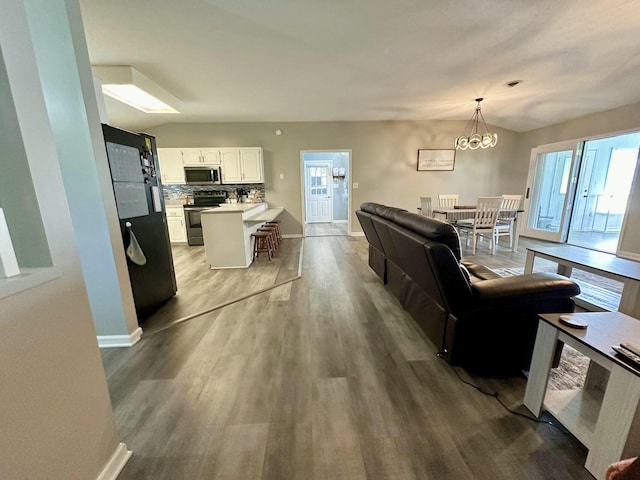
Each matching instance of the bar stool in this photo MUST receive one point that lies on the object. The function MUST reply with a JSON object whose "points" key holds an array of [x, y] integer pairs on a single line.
{"points": [[276, 223], [262, 244], [274, 235]]}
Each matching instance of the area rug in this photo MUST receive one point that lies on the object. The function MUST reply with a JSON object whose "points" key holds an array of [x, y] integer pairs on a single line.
{"points": [[571, 372], [605, 294]]}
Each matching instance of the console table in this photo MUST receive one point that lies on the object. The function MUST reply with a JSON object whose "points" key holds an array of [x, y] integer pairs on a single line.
{"points": [[600, 416], [599, 263]]}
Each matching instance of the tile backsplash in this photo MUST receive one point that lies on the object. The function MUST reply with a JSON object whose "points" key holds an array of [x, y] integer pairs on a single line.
{"points": [[178, 192]]}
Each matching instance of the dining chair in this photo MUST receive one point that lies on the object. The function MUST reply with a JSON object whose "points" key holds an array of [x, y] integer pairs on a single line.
{"points": [[450, 200], [483, 223], [425, 207], [506, 218]]}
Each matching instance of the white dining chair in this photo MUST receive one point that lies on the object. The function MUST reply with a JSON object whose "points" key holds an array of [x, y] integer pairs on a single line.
{"points": [[449, 200], [425, 207], [483, 223], [506, 218]]}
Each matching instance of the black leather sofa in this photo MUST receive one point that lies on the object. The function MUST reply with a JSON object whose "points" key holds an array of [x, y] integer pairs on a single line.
{"points": [[476, 318]]}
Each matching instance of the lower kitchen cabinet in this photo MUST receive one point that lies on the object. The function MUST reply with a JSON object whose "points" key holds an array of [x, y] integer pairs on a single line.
{"points": [[176, 224]]}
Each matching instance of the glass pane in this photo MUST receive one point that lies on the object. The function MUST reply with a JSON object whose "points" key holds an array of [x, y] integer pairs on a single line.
{"points": [[604, 184], [550, 186]]}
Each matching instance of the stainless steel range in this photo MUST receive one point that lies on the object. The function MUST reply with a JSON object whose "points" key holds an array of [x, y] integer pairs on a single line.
{"points": [[202, 200]]}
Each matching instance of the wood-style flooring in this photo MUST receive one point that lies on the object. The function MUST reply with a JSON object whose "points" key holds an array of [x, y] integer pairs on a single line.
{"points": [[324, 378], [201, 288], [325, 229]]}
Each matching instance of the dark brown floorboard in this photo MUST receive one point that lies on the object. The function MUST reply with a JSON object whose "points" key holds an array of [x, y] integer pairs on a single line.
{"points": [[323, 378]]}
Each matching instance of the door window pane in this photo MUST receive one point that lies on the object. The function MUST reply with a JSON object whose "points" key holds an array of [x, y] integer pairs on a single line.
{"points": [[604, 184], [549, 190]]}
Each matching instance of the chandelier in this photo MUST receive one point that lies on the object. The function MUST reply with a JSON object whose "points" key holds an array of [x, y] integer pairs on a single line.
{"points": [[475, 139]]}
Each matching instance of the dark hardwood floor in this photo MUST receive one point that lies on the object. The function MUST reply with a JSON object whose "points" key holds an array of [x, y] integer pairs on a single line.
{"points": [[323, 378]]}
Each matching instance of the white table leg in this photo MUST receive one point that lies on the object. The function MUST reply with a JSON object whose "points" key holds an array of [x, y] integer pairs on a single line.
{"points": [[516, 231], [528, 263], [630, 300], [614, 421], [543, 353]]}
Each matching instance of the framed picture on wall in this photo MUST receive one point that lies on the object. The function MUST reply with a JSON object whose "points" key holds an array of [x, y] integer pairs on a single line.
{"points": [[436, 159]]}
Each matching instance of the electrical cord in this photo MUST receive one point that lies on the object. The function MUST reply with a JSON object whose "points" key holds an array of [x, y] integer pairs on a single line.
{"points": [[496, 395]]}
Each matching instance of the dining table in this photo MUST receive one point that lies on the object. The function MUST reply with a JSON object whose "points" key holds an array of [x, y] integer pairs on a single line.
{"points": [[462, 212]]}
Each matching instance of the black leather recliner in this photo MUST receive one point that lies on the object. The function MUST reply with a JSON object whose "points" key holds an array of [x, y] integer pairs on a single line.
{"points": [[476, 318]]}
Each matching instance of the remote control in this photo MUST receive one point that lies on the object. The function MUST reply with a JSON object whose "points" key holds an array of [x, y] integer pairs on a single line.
{"points": [[632, 347], [628, 354]]}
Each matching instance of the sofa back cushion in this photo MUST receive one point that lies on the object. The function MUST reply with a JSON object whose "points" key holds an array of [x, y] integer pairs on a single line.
{"points": [[365, 219], [454, 285], [431, 229]]}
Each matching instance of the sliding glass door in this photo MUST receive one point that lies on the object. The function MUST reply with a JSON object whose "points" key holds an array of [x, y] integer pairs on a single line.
{"points": [[549, 191], [577, 192], [604, 183]]}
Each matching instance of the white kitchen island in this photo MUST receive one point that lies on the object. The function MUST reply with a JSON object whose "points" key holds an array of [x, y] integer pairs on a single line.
{"points": [[227, 232]]}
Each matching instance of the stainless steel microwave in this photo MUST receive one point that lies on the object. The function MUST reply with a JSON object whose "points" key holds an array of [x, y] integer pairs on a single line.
{"points": [[202, 175]]}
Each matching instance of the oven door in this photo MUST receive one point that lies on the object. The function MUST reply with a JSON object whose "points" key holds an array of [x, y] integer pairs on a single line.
{"points": [[194, 226]]}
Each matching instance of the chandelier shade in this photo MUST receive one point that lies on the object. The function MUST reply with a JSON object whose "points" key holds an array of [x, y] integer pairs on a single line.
{"points": [[476, 138]]}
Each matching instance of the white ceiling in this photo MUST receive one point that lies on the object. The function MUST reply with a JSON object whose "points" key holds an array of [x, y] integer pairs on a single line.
{"points": [[327, 60]]}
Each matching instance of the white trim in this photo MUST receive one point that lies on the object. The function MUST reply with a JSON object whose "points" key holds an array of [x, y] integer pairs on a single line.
{"points": [[116, 463], [356, 234], [349, 185], [629, 255], [114, 341], [292, 235], [340, 221]]}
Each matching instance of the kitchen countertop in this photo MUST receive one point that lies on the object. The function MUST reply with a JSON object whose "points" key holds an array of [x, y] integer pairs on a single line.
{"points": [[234, 207]]}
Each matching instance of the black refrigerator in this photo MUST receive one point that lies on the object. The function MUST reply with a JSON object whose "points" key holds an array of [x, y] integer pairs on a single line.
{"points": [[133, 162]]}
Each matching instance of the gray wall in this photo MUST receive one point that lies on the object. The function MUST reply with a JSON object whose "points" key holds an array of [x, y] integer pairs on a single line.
{"points": [[56, 416], [384, 159], [612, 121]]}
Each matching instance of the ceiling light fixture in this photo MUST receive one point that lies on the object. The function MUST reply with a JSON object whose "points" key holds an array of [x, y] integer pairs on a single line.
{"points": [[476, 140], [127, 85]]}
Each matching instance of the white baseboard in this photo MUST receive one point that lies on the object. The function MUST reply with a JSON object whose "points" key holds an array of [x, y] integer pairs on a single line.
{"points": [[115, 341], [292, 235], [116, 463], [629, 255], [356, 234]]}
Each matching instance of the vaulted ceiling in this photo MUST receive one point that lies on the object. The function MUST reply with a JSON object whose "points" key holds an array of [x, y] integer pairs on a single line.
{"points": [[331, 60]]}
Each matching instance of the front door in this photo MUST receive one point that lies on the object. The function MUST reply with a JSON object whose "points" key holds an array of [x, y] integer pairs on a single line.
{"points": [[318, 193]]}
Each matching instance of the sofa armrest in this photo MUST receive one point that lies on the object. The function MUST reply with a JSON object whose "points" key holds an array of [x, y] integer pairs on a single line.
{"points": [[524, 288], [479, 271]]}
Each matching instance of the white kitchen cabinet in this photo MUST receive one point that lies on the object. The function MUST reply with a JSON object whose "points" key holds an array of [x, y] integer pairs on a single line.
{"points": [[230, 165], [251, 167], [242, 165], [192, 157], [210, 156], [195, 157], [176, 224], [171, 167]]}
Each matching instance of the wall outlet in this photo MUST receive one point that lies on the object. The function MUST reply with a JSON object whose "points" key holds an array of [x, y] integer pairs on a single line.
{"points": [[282, 176], [356, 185]]}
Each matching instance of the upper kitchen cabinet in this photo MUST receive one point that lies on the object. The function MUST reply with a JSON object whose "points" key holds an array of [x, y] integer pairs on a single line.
{"points": [[242, 165], [251, 165], [200, 156], [210, 156], [171, 167]]}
